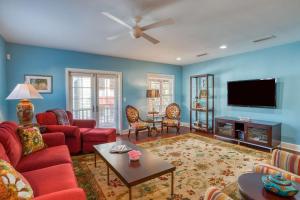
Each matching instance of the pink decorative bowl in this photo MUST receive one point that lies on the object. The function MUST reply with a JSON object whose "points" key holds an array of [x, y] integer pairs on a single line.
{"points": [[134, 155]]}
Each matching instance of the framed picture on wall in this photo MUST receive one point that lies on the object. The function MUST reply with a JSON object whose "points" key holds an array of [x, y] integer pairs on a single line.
{"points": [[43, 83]]}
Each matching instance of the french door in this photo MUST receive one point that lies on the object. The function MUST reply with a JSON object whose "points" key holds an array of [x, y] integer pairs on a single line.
{"points": [[96, 96]]}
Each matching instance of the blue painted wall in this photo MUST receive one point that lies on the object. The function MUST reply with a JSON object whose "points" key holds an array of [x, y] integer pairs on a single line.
{"points": [[3, 86], [282, 62], [47, 61]]}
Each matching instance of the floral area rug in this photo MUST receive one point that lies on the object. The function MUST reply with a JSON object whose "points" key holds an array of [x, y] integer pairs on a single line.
{"points": [[200, 162]]}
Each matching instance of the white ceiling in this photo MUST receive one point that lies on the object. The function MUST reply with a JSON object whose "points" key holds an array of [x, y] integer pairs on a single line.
{"points": [[201, 26]]}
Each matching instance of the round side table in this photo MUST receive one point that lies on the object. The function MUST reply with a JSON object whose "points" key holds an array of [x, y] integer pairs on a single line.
{"points": [[251, 188]]}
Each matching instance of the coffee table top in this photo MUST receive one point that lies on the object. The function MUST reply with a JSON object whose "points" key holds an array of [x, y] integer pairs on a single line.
{"points": [[251, 187], [133, 172]]}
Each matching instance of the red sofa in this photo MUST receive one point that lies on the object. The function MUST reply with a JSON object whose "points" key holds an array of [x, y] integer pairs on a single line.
{"points": [[81, 135], [48, 171], [72, 133]]}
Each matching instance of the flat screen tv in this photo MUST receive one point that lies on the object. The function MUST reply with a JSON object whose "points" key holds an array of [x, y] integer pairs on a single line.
{"points": [[252, 93]]}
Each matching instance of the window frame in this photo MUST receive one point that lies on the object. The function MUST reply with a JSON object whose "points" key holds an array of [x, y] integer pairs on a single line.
{"points": [[160, 78]]}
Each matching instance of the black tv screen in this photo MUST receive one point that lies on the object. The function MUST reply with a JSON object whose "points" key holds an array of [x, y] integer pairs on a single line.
{"points": [[252, 93]]}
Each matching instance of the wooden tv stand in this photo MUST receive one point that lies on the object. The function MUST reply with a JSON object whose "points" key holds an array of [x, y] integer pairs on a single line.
{"points": [[259, 133]]}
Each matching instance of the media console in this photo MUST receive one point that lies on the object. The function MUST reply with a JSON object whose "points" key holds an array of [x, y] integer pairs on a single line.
{"points": [[259, 133]]}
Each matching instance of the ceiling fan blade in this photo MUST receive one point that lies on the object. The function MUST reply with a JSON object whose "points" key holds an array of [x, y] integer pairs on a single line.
{"points": [[116, 19], [113, 37], [158, 24], [149, 38]]}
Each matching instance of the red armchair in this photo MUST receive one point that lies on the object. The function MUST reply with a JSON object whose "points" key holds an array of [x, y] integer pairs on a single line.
{"points": [[72, 132]]}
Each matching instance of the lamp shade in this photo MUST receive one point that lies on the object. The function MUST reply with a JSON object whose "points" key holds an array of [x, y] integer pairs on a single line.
{"points": [[152, 93], [24, 91]]}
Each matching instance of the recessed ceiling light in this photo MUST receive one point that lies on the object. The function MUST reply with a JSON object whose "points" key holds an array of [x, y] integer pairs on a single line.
{"points": [[223, 47], [178, 58]]}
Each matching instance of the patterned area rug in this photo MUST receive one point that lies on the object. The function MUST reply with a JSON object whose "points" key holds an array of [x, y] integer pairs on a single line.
{"points": [[200, 162]]}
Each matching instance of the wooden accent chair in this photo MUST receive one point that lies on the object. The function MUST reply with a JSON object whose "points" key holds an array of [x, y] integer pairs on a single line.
{"points": [[282, 162], [214, 193], [172, 118], [136, 124]]}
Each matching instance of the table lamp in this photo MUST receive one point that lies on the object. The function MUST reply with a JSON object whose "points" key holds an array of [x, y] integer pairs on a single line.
{"points": [[25, 108], [152, 94]]}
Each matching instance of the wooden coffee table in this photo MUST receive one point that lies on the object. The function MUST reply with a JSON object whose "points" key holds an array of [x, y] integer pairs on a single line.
{"points": [[133, 173], [252, 188]]}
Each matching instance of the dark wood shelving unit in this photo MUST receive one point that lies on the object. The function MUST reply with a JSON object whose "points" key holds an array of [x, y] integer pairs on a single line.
{"points": [[202, 103], [258, 133]]}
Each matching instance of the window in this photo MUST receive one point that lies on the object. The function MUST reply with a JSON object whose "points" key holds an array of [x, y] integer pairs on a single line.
{"points": [[165, 85]]}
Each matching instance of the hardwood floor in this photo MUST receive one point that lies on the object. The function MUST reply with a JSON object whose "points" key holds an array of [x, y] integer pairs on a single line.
{"points": [[143, 137]]}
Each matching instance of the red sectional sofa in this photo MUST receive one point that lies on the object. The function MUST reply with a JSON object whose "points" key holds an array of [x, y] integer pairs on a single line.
{"points": [[81, 135], [48, 171]]}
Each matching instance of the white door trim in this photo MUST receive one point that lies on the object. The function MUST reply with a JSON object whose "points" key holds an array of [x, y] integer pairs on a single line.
{"points": [[120, 81]]}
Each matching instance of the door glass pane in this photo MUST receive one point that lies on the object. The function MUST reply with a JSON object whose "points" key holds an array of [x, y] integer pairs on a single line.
{"points": [[82, 97], [107, 101]]}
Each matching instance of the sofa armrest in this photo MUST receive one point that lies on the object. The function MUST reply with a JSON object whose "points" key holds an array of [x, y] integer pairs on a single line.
{"points": [[269, 169], [69, 131], [54, 139], [74, 194], [214, 193], [84, 123]]}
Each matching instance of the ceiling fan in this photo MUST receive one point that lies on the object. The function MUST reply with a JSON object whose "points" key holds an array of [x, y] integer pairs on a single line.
{"points": [[137, 31]]}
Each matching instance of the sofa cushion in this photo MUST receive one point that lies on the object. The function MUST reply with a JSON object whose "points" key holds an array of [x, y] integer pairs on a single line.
{"points": [[45, 158], [11, 142], [31, 140], [99, 135], [51, 179], [13, 185], [46, 118], [84, 130], [3, 155]]}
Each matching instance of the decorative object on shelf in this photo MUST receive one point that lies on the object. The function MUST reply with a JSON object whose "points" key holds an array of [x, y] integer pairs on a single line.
{"points": [[152, 94], [202, 103], [42, 83], [279, 185], [134, 155], [203, 94], [25, 108]]}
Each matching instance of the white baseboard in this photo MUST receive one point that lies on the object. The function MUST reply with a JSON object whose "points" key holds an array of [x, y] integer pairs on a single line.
{"points": [[185, 124], [290, 146]]}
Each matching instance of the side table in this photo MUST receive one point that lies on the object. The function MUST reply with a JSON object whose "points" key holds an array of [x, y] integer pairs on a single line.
{"points": [[251, 188]]}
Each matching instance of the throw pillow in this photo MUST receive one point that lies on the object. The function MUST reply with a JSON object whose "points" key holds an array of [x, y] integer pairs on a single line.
{"points": [[31, 139], [13, 185]]}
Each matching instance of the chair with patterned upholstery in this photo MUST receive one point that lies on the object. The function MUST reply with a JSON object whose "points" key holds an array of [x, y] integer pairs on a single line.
{"points": [[172, 118], [214, 193], [136, 124], [288, 164]]}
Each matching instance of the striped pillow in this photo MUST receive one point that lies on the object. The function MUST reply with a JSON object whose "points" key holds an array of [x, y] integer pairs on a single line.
{"points": [[287, 161], [214, 193]]}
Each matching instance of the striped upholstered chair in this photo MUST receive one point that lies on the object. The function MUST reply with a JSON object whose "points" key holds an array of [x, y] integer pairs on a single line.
{"points": [[288, 164], [214, 193]]}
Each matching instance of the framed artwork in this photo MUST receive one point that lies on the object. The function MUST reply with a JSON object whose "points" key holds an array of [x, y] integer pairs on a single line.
{"points": [[42, 83]]}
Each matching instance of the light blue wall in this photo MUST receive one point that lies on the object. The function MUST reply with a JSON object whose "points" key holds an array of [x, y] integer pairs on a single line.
{"points": [[281, 62], [3, 86], [46, 61]]}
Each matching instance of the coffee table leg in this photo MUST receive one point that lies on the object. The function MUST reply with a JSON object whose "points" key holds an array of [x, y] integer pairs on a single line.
{"points": [[107, 174], [172, 185], [95, 160], [129, 193]]}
